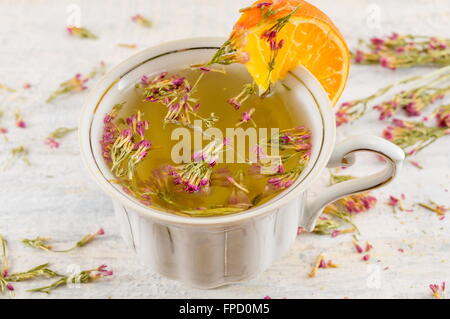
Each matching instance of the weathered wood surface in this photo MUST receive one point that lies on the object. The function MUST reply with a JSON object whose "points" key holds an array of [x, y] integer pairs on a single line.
{"points": [[55, 196]]}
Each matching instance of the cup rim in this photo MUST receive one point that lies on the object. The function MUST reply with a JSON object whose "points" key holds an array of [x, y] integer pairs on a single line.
{"points": [[101, 88]]}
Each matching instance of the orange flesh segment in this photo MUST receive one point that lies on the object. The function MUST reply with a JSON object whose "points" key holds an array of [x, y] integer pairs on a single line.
{"points": [[310, 39]]}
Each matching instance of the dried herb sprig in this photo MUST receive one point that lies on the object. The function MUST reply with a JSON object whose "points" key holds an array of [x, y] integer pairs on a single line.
{"points": [[247, 117], [414, 101], [292, 142], [295, 139], [228, 54], [438, 291], [196, 175], [403, 51], [4, 267], [237, 101], [426, 89], [81, 32], [239, 194], [128, 45], [176, 94], [325, 226], [38, 242], [223, 177], [82, 277], [19, 152], [440, 210], [283, 180], [76, 83], [130, 147], [443, 116], [321, 263], [261, 6], [412, 137], [41, 242], [39, 271], [396, 203], [110, 131], [343, 210], [6, 88], [52, 139], [19, 119], [270, 36], [142, 21], [4, 264]]}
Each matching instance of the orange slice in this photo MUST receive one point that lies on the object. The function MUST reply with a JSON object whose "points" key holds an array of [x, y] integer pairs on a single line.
{"points": [[307, 37]]}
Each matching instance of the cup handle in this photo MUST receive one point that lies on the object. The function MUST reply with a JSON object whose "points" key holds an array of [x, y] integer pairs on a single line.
{"points": [[344, 155]]}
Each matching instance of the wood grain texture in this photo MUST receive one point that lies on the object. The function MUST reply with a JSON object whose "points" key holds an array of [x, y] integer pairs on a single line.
{"points": [[55, 196]]}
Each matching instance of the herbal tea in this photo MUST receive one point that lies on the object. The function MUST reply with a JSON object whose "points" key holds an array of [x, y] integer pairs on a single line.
{"points": [[201, 142]]}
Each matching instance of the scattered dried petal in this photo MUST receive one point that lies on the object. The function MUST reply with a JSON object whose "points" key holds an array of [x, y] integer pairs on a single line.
{"points": [[142, 21], [80, 32]]}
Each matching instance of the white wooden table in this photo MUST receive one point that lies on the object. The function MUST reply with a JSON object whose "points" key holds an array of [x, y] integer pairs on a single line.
{"points": [[55, 196]]}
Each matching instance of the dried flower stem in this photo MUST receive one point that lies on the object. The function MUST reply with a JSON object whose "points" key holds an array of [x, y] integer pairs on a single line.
{"points": [[82, 277], [41, 242], [51, 139], [343, 209], [321, 263], [17, 153], [247, 90], [403, 51], [196, 175], [176, 94], [355, 109], [413, 137], [41, 270], [4, 263], [315, 268], [6, 88], [270, 35], [142, 21], [432, 206], [76, 83], [129, 147], [38, 242], [81, 32], [61, 132], [4, 267], [438, 291], [442, 115]]}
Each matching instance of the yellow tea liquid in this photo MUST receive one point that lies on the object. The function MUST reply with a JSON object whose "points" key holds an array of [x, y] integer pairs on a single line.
{"points": [[212, 92]]}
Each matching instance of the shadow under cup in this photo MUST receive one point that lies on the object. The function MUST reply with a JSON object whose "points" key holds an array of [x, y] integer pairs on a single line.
{"points": [[197, 250]]}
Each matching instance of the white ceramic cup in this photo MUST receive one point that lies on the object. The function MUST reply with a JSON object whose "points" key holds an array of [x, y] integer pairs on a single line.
{"points": [[207, 252]]}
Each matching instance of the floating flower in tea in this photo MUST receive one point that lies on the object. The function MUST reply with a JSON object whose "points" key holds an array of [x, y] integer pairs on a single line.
{"points": [[180, 188]]}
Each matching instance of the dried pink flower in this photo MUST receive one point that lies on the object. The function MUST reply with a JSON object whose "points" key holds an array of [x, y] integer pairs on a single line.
{"points": [[80, 32], [438, 291], [412, 137], [443, 116], [141, 20], [358, 248], [400, 51], [51, 142], [247, 117], [237, 101]]}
